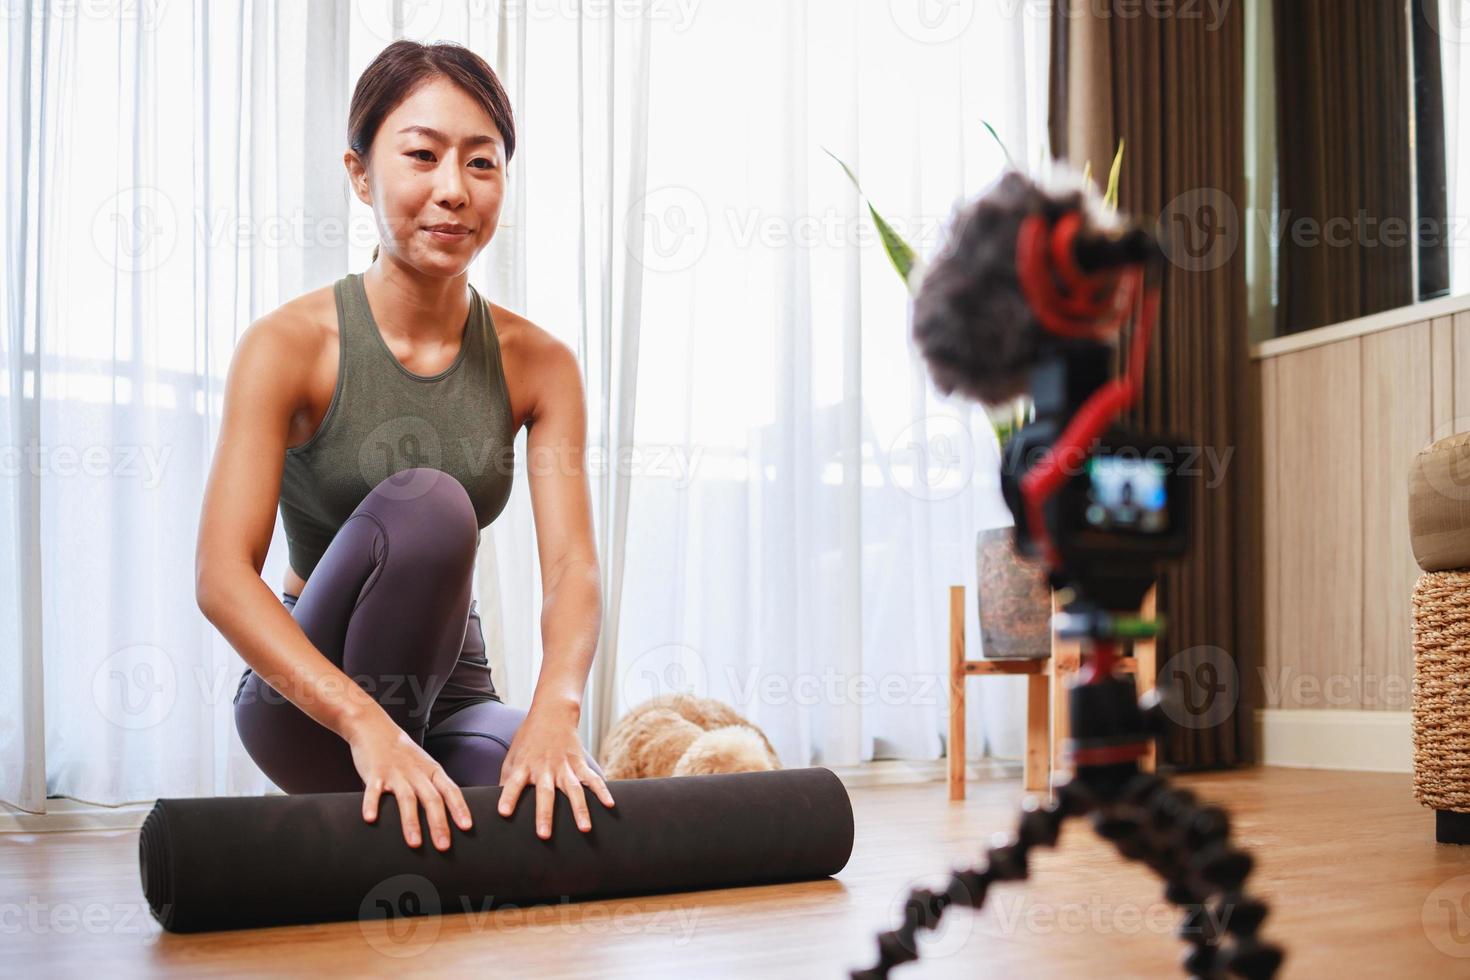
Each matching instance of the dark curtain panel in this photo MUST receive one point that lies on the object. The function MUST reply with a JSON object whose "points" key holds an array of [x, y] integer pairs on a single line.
{"points": [[1173, 87], [1342, 79], [1434, 235]]}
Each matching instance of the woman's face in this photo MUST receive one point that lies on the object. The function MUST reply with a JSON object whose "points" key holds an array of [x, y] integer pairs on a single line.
{"points": [[434, 177]]}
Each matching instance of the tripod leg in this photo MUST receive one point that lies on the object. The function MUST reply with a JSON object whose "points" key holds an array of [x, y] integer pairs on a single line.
{"points": [[1006, 860], [1188, 845]]}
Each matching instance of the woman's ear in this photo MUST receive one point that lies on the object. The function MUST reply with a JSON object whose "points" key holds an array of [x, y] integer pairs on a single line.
{"points": [[357, 175]]}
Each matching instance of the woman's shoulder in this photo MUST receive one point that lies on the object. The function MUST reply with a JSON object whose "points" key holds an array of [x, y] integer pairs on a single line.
{"points": [[298, 328], [523, 340]]}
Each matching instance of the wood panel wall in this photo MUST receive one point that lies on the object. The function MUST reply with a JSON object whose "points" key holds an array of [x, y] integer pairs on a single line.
{"points": [[1341, 423]]}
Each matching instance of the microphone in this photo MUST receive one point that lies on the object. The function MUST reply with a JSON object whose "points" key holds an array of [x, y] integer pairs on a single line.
{"points": [[977, 328]]}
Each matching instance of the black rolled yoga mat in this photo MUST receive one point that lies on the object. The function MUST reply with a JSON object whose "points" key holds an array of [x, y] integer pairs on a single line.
{"points": [[235, 862]]}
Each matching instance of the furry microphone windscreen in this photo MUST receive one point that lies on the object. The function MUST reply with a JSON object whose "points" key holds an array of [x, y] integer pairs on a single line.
{"points": [[971, 322]]}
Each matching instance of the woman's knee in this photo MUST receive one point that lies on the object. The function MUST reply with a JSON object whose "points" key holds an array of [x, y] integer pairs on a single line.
{"points": [[432, 506]]}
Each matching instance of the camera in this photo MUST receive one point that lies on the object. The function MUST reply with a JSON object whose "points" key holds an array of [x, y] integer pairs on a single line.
{"points": [[1123, 507]]}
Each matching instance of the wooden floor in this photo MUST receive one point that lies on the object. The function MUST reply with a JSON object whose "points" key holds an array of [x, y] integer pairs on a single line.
{"points": [[1348, 860]]}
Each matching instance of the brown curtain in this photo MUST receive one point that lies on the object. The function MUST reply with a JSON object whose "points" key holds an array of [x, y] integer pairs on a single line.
{"points": [[1342, 78], [1173, 88]]}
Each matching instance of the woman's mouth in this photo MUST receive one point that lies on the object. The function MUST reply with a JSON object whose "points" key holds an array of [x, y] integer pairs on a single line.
{"points": [[447, 232]]}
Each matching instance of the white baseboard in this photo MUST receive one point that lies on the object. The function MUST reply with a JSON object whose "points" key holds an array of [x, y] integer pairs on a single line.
{"points": [[898, 772], [64, 815], [67, 815], [1366, 741]]}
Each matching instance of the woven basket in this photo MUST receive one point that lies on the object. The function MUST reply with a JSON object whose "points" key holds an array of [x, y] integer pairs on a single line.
{"points": [[1442, 690]]}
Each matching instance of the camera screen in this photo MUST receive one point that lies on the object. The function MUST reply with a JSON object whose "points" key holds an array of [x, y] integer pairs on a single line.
{"points": [[1127, 494]]}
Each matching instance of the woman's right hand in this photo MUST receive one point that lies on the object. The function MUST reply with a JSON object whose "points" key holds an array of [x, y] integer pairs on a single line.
{"points": [[390, 761]]}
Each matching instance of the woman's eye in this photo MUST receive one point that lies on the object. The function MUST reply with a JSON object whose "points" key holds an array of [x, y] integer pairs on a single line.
{"points": [[425, 155], [488, 164]]}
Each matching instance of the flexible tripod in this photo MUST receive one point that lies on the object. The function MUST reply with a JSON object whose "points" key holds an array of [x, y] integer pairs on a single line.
{"points": [[1186, 842]]}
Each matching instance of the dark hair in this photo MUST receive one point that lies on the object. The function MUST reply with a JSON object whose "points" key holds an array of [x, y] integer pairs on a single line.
{"points": [[402, 66]]}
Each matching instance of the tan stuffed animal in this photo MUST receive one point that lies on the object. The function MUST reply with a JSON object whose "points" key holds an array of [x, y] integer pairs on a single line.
{"points": [[682, 735]]}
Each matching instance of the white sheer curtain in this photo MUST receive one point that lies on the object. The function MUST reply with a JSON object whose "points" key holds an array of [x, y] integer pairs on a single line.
{"points": [[1454, 47], [801, 501], [781, 503]]}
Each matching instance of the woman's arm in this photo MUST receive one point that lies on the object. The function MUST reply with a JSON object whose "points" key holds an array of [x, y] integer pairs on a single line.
{"points": [[266, 385], [266, 381], [546, 752]]}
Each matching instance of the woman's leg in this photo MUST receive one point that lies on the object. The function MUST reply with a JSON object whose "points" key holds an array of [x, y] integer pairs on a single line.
{"points": [[471, 743], [388, 603]]}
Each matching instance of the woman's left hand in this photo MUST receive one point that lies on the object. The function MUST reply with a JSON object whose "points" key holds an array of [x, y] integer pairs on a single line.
{"points": [[546, 753]]}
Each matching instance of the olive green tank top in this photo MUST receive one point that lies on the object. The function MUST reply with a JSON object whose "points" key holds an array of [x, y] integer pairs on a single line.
{"points": [[383, 418]]}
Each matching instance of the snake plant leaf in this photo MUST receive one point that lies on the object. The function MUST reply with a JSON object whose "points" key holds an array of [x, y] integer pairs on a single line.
{"points": [[1114, 176], [1010, 160], [905, 259]]}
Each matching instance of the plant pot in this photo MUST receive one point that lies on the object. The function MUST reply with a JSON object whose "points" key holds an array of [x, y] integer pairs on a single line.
{"points": [[1015, 599]]}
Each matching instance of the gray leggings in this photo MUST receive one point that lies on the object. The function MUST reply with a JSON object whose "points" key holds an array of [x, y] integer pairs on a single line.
{"points": [[389, 603]]}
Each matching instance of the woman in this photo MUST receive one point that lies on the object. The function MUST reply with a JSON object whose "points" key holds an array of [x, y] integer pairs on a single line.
{"points": [[379, 414]]}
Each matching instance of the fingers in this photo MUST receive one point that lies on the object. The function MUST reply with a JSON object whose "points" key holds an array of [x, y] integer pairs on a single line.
{"points": [[545, 801], [434, 810], [458, 808], [510, 793], [578, 799], [408, 812], [370, 798], [598, 785]]}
